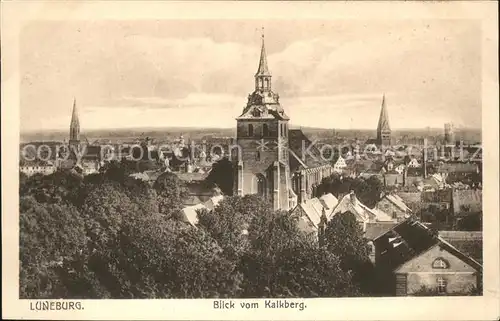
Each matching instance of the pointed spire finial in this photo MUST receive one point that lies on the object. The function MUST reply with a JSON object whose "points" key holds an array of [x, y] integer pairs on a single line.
{"points": [[263, 70], [74, 135], [383, 121]]}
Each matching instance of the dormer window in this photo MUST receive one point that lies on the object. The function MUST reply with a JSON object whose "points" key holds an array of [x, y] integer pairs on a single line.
{"points": [[440, 263], [257, 112]]}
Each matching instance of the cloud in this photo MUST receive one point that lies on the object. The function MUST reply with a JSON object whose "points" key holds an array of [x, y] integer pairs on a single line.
{"points": [[430, 71]]}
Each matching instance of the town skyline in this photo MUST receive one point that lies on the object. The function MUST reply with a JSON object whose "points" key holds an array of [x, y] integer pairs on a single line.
{"points": [[147, 92]]}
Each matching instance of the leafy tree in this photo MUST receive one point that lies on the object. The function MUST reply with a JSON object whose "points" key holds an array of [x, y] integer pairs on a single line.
{"points": [[343, 237], [367, 190], [49, 235], [222, 175], [59, 187], [171, 191], [284, 262], [430, 291]]}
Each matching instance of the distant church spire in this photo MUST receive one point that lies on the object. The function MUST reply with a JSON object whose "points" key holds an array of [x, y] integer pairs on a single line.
{"points": [[383, 128], [74, 127], [263, 76]]}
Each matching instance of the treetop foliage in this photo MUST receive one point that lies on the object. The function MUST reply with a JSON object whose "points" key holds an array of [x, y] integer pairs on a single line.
{"points": [[110, 236]]}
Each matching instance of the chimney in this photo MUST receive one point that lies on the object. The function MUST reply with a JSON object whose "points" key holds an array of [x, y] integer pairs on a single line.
{"points": [[424, 162], [353, 197]]}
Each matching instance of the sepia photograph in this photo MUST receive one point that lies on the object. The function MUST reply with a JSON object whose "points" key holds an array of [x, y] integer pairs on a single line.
{"points": [[257, 162]]}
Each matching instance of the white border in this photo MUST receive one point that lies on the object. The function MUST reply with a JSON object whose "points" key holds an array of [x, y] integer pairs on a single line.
{"points": [[15, 15]]}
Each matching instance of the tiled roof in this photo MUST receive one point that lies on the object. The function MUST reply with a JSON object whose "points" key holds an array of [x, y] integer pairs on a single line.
{"points": [[409, 239], [410, 197], [375, 229], [189, 177], [190, 215], [298, 143], [437, 196], [347, 204], [329, 201], [469, 243], [313, 208], [467, 200], [398, 201], [458, 167]]}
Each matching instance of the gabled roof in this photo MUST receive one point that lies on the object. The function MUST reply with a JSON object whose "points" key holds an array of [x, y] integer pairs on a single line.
{"points": [[360, 211], [469, 243], [312, 212], [398, 201], [313, 208], [190, 214], [375, 229], [329, 201], [298, 143], [409, 239]]}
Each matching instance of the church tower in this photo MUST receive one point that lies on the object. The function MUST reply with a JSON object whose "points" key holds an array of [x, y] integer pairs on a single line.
{"points": [[262, 159], [74, 127], [383, 128]]}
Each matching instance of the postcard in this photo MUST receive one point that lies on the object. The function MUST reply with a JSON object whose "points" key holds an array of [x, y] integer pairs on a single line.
{"points": [[250, 160]]}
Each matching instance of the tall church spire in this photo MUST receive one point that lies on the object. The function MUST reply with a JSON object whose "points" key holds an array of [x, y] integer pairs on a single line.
{"points": [[74, 127], [383, 128], [263, 76], [263, 69], [383, 121]]}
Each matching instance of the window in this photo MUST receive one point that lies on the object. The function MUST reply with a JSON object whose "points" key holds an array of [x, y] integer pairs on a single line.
{"points": [[261, 185], [257, 156], [440, 263], [394, 215], [267, 82], [441, 285], [265, 130], [250, 130]]}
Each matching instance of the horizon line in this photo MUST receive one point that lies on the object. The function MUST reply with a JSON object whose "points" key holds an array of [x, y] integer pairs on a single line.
{"points": [[292, 126]]}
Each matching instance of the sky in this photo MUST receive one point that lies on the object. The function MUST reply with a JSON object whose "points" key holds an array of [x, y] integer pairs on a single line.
{"points": [[195, 73]]}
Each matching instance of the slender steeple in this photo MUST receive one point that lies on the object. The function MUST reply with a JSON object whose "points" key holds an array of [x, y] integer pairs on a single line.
{"points": [[263, 76], [74, 127], [383, 128]]}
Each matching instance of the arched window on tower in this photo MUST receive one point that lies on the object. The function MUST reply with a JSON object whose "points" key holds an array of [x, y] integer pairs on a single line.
{"points": [[261, 185], [250, 130], [267, 82], [265, 130]]}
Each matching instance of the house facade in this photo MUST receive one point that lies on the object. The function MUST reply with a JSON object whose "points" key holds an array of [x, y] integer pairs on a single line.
{"points": [[436, 269], [411, 259], [394, 206]]}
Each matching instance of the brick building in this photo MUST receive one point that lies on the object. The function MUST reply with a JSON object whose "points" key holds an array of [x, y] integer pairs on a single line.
{"points": [[266, 160]]}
